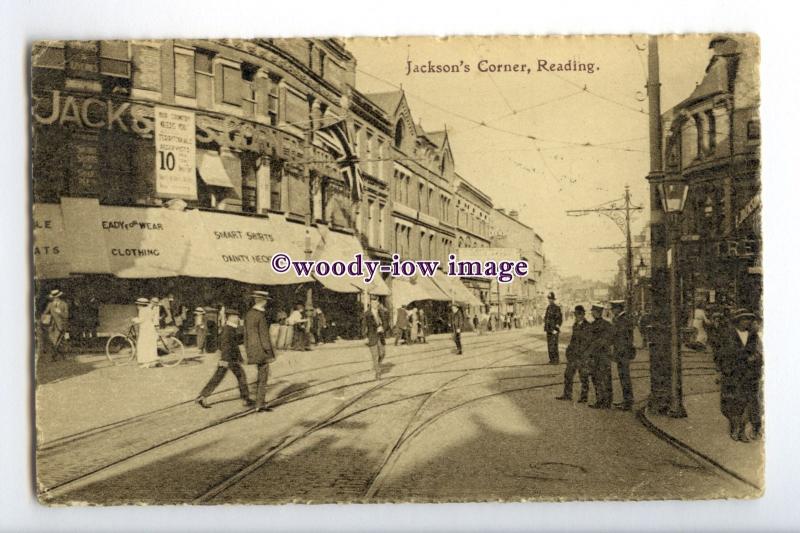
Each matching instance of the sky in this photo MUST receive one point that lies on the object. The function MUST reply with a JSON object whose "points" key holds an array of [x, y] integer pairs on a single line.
{"points": [[543, 177]]}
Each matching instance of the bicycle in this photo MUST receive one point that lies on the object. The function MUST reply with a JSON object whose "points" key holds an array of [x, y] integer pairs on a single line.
{"points": [[121, 348]]}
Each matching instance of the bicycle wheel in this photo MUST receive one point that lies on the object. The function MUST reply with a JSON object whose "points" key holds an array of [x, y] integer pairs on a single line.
{"points": [[120, 349], [171, 351]]}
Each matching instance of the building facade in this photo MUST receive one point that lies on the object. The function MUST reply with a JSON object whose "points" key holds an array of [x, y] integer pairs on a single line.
{"points": [[712, 142]]}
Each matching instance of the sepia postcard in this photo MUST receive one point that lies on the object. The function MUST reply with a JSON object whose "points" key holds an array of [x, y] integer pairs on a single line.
{"points": [[400, 269]]}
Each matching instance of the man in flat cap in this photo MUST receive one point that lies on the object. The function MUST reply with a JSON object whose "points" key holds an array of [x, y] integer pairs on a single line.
{"points": [[55, 322], [601, 334], [552, 326], [230, 358], [623, 352], [258, 344], [577, 357]]}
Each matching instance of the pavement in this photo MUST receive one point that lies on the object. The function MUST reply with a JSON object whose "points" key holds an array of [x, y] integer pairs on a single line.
{"points": [[438, 427], [704, 431]]}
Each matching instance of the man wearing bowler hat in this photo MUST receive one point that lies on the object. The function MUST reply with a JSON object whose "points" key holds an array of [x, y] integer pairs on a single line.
{"points": [[258, 344], [552, 326], [601, 332], [623, 352], [577, 355], [230, 358]]}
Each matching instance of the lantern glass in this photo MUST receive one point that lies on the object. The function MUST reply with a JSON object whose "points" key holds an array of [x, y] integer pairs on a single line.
{"points": [[673, 195]]}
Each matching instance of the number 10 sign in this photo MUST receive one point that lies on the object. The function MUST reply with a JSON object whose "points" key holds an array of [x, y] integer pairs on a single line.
{"points": [[175, 153]]}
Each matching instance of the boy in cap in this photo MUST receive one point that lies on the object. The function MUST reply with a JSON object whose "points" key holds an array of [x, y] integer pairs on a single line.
{"points": [[230, 359], [552, 326], [375, 327]]}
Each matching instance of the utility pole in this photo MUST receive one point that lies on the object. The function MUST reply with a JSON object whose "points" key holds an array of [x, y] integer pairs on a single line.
{"points": [[659, 337], [624, 226]]}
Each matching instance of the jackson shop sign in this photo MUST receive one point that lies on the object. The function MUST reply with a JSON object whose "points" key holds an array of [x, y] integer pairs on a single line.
{"points": [[90, 112]]}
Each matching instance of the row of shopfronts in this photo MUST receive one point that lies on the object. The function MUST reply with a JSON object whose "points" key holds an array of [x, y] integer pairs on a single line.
{"points": [[117, 254]]}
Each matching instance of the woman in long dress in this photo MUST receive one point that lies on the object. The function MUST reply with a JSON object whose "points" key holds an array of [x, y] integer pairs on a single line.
{"points": [[146, 349], [699, 322]]}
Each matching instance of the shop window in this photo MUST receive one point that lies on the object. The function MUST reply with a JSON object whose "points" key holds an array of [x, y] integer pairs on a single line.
{"points": [[185, 77], [146, 67], [115, 59], [204, 77], [231, 85], [121, 187]]}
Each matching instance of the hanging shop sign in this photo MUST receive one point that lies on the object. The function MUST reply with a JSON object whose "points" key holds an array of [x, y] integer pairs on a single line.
{"points": [[175, 153]]}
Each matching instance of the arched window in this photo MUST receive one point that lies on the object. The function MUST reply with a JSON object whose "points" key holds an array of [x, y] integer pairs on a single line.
{"points": [[399, 133]]}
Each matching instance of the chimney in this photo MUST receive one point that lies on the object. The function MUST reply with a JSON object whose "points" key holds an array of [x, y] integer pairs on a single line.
{"points": [[514, 214]]}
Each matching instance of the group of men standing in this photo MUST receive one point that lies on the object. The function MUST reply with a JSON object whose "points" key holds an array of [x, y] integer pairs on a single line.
{"points": [[592, 349]]}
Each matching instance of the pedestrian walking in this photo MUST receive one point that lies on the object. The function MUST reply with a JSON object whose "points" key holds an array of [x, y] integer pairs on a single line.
{"points": [[601, 334], [623, 352], [200, 329], [258, 345], [401, 326], [552, 326], [55, 320], [298, 324], [699, 323], [375, 329], [423, 326], [740, 362], [413, 321], [146, 336], [578, 357], [457, 324], [230, 358]]}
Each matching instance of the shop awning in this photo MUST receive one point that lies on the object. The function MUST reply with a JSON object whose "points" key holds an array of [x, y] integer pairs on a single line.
{"points": [[145, 242], [51, 251], [335, 246], [241, 247], [212, 169], [455, 289], [415, 289]]}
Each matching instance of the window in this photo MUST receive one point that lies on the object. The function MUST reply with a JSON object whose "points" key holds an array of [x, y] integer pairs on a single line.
{"points": [[204, 77], [381, 242], [274, 99], [185, 83], [753, 130], [249, 88], [275, 185], [114, 59], [399, 132], [712, 129], [321, 65], [231, 85], [420, 195], [49, 55], [146, 67], [249, 182], [370, 223], [698, 126]]}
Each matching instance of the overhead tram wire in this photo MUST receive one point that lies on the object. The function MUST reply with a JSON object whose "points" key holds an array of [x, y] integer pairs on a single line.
{"points": [[484, 123]]}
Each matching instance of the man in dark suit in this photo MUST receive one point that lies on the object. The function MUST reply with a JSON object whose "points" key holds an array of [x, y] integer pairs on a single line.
{"points": [[740, 360], [552, 326], [230, 359], [623, 352], [457, 324], [375, 325], [601, 338], [577, 357], [258, 344]]}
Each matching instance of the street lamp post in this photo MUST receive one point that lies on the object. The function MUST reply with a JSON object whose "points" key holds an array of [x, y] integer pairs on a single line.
{"points": [[642, 273], [673, 197]]}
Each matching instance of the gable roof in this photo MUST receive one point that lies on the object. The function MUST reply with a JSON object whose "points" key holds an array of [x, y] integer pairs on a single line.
{"points": [[387, 101]]}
